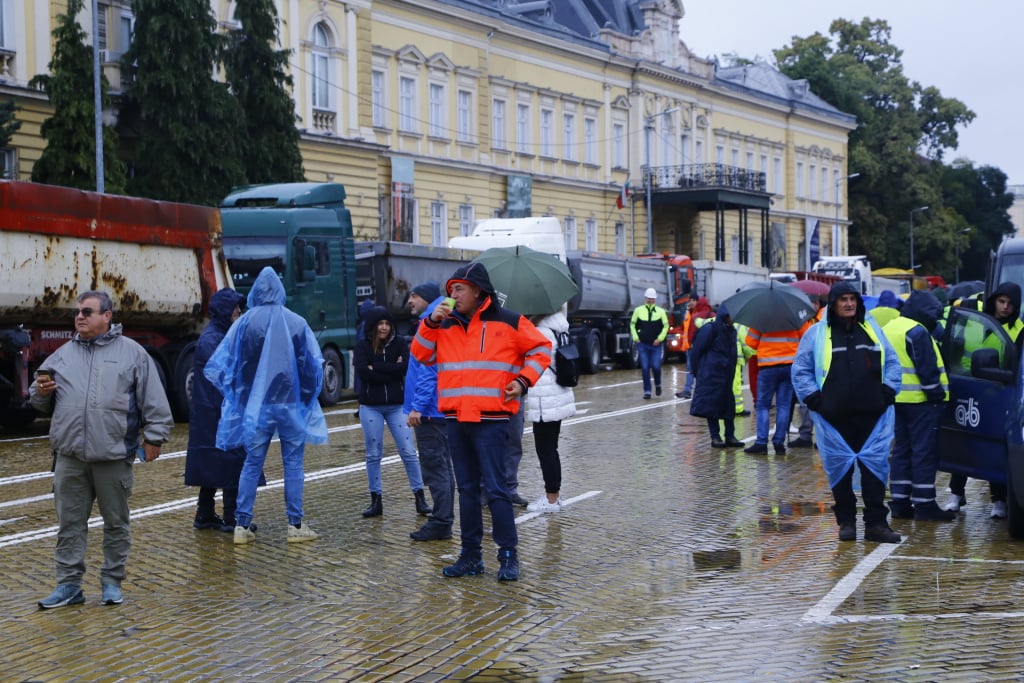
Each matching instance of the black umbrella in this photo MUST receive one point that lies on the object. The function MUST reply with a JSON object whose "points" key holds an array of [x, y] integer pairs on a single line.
{"points": [[770, 307], [966, 288]]}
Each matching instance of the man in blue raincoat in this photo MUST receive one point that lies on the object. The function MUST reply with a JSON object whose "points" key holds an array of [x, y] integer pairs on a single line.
{"points": [[271, 371], [847, 373]]}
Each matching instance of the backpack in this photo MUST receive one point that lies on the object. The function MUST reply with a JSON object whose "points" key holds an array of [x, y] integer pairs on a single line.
{"points": [[567, 373]]}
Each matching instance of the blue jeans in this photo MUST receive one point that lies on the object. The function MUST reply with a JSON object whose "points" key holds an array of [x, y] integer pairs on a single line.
{"points": [[372, 418], [915, 453], [690, 375], [516, 424], [479, 458], [436, 463], [774, 381], [650, 363], [276, 418]]}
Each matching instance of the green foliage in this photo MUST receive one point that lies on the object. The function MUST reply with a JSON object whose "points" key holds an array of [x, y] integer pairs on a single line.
{"points": [[257, 75], [9, 123], [186, 128], [981, 202], [903, 131], [69, 158]]}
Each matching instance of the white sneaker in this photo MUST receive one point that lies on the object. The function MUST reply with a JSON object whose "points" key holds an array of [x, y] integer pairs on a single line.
{"points": [[999, 510], [300, 533], [954, 502], [542, 505], [244, 535]]}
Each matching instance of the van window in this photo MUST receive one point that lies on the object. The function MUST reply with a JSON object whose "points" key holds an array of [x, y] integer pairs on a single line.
{"points": [[1011, 269], [967, 334]]}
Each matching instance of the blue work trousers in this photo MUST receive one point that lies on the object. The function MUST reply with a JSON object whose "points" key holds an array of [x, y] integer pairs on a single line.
{"points": [[436, 466], [915, 453], [774, 381]]}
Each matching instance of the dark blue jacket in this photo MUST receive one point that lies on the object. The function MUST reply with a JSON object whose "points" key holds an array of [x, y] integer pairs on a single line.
{"points": [[713, 357], [382, 372]]}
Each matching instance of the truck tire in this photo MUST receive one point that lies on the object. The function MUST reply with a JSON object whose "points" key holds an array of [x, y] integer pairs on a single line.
{"points": [[631, 359], [181, 397], [333, 374], [1014, 508], [590, 353]]}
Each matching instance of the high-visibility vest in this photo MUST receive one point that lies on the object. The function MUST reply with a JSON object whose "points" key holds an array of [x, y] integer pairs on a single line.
{"points": [[911, 390]]}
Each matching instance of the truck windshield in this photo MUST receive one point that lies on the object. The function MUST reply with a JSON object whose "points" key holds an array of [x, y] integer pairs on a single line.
{"points": [[247, 256], [1011, 269]]}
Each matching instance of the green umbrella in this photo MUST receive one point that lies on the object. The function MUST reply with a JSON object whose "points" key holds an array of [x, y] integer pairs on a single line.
{"points": [[528, 281]]}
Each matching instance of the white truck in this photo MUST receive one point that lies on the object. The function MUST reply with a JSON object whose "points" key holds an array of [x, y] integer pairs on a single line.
{"points": [[856, 269], [718, 280]]}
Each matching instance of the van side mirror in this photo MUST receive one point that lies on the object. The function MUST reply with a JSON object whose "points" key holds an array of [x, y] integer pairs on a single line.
{"points": [[985, 365]]}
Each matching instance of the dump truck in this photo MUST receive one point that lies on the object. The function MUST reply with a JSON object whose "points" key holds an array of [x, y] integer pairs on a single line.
{"points": [[160, 262]]}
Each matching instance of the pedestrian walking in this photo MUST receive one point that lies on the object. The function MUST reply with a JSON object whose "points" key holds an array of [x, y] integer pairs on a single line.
{"points": [[207, 466], [923, 395], [381, 360], [271, 372], [430, 428], [487, 359], [848, 374], [105, 400], [548, 404], [714, 356], [649, 327]]}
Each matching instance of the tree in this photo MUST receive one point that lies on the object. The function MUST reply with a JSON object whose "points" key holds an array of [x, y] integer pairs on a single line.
{"points": [[9, 123], [980, 198], [258, 77], [903, 132], [69, 158], [184, 127]]}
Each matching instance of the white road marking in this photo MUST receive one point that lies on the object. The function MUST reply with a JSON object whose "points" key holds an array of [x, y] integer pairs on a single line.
{"points": [[527, 516], [822, 612]]}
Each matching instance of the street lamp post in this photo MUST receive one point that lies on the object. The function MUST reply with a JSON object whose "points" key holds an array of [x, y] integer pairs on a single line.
{"points": [[836, 233], [913, 266], [956, 249], [648, 127]]}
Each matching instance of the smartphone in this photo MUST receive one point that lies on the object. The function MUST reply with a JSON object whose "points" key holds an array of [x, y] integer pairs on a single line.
{"points": [[44, 375]]}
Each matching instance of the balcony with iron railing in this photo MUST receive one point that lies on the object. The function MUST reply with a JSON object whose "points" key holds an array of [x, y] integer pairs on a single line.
{"points": [[704, 177]]}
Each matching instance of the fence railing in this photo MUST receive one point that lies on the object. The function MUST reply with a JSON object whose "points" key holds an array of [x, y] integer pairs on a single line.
{"points": [[704, 175]]}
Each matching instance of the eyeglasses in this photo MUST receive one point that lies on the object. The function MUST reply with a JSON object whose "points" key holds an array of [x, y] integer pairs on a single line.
{"points": [[84, 312]]}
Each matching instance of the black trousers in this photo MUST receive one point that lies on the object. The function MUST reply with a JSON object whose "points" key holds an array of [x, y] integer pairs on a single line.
{"points": [[872, 490], [545, 439]]}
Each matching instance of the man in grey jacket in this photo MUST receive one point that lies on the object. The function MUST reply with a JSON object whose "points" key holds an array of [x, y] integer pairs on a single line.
{"points": [[106, 399]]}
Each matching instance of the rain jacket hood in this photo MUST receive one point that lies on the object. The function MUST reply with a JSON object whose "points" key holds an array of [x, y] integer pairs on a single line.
{"points": [[475, 274], [888, 298], [838, 289], [374, 316], [269, 359], [222, 306], [1010, 289], [924, 308]]}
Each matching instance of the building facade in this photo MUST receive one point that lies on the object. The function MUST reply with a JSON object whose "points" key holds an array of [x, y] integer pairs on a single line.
{"points": [[439, 113]]}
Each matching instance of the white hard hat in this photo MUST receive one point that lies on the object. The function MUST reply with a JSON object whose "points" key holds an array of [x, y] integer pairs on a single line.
{"points": [[650, 293]]}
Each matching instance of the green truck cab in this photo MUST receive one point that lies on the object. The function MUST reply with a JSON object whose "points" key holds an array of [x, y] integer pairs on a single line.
{"points": [[304, 232]]}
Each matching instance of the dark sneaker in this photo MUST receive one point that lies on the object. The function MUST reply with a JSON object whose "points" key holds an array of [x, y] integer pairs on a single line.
{"points": [[657, 391], [801, 443], [509, 569], [717, 443], [212, 522], [735, 443], [848, 532], [464, 566], [518, 500], [111, 594], [65, 594], [931, 512], [881, 533], [431, 532], [647, 396], [780, 448], [757, 449], [682, 394], [903, 509]]}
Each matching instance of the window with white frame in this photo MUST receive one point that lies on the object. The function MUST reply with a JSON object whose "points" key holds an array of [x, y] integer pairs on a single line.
{"points": [[735, 158], [378, 94], [523, 141], [547, 133], [590, 227], [464, 116], [498, 123], [569, 136], [750, 161], [320, 72], [823, 186], [698, 151], [799, 179], [812, 185], [407, 104], [466, 215], [590, 141], [571, 243], [684, 148], [439, 224], [438, 111], [8, 164], [719, 154], [777, 179], [620, 238], [618, 145]]}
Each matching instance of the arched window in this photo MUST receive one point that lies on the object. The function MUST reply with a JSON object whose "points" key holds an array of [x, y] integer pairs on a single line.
{"points": [[320, 71]]}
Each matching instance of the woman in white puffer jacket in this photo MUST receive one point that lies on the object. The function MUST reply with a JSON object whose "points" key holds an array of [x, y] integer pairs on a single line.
{"points": [[549, 403]]}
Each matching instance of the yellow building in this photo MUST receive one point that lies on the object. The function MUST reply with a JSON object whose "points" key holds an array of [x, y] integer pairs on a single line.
{"points": [[437, 113]]}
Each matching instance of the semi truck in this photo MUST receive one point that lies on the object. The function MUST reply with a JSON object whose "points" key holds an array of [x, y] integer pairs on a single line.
{"points": [[159, 261]]}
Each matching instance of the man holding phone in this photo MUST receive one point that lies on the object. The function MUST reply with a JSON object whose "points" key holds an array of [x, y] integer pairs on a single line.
{"points": [[105, 396]]}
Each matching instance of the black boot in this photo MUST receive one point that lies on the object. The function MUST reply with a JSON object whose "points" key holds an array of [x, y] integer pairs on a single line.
{"points": [[421, 503], [376, 508]]}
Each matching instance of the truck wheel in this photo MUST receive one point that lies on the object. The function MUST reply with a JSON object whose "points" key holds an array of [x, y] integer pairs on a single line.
{"points": [[184, 375], [17, 417], [590, 353], [631, 359], [1014, 508], [331, 392]]}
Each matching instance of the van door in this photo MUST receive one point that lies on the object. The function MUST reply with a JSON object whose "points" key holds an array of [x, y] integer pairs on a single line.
{"points": [[982, 417]]}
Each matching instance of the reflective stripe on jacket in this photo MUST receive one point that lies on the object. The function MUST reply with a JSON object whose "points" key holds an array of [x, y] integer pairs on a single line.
{"points": [[774, 348], [648, 324], [476, 361]]}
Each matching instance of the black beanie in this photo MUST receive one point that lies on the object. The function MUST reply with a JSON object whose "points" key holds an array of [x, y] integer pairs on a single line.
{"points": [[428, 291]]}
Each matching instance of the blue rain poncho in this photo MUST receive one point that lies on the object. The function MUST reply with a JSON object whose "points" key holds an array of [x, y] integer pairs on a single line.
{"points": [[837, 456], [268, 361]]}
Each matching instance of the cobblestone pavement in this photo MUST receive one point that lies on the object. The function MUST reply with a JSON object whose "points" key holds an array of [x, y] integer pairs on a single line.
{"points": [[671, 562]]}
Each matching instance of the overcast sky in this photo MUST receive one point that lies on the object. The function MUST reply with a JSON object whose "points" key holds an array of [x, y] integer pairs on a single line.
{"points": [[973, 51]]}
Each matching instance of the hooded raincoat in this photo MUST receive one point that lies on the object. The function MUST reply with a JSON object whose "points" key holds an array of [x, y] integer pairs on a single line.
{"points": [[714, 356], [270, 368]]}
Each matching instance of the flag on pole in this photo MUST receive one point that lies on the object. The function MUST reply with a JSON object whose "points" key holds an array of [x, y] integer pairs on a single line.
{"points": [[620, 201]]}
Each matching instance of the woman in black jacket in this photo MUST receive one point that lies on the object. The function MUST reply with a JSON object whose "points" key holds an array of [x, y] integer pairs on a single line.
{"points": [[381, 359], [714, 355]]}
